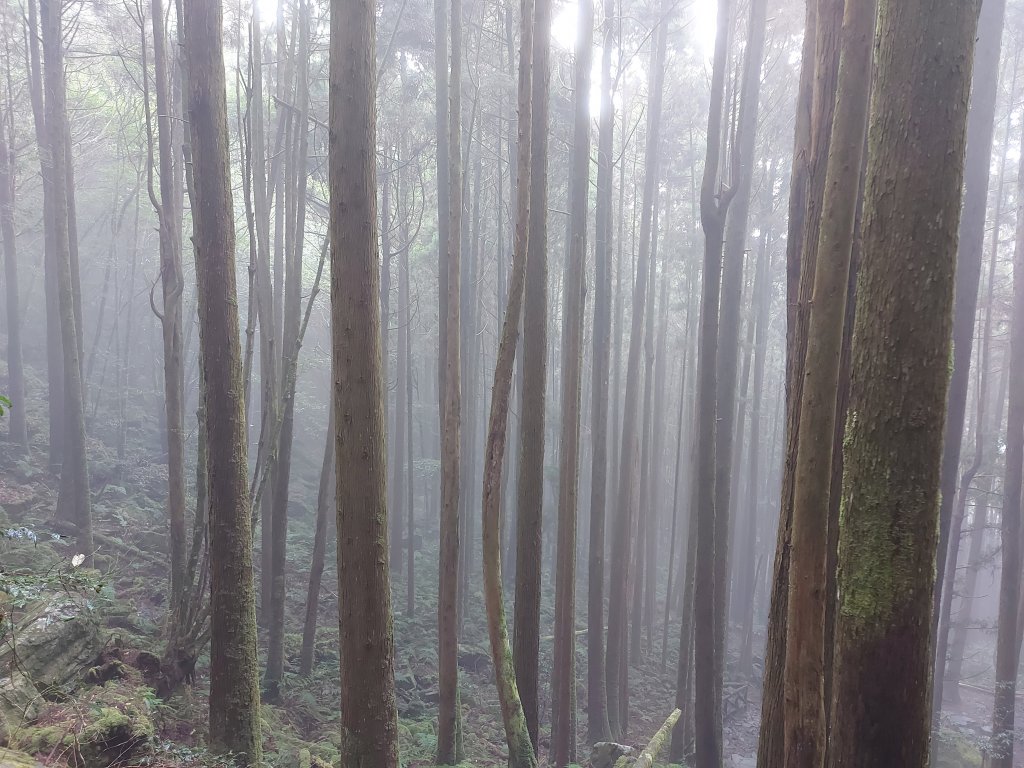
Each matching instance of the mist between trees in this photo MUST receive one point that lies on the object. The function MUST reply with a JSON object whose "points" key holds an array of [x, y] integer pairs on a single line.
{"points": [[552, 382]]}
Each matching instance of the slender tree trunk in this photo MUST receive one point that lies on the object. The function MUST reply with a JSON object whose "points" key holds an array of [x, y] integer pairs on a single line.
{"points": [[597, 697], [75, 494], [369, 718], [621, 567], [980, 132], [18, 430], [54, 356], [712, 527], [521, 744], [892, 456], [815, 106], [805, 643], [324, 497], [234, 675], [1007, 643], [564, 685], [532, 178], [448, 578]]}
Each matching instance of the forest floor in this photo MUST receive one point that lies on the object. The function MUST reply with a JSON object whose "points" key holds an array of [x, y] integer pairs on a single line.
{"points": [[107, 714]]}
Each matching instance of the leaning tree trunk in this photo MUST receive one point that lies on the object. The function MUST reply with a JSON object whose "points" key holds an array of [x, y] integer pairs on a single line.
{"points": [[325, 494], [521, 747], [889, 526], [234, 676], [369, 717]]}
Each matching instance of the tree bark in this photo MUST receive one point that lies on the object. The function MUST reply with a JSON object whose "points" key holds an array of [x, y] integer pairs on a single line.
{"points": [[806, 652], [892, 456], [234, 676], [369, 717], [530, 483]]}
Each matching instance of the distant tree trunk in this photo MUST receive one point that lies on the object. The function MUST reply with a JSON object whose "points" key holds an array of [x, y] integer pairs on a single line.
{"points": [[980, 132], [1007, 643], [806, 651], [892, 456], [564, 677], [709, 586], [75, 495], [621, 568], [448, 579], [530, 484], [324, 497], [443, 191], [597, 697], [18, 433], [54, 356], [815, 106], [521, 744], [727, 360], [172, 284], [295, 225], [234, 675], [369, 718]]}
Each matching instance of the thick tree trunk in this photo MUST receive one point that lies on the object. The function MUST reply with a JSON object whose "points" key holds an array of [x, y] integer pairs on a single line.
{"points": [[234, 676], [892, 456], [369, 718]]}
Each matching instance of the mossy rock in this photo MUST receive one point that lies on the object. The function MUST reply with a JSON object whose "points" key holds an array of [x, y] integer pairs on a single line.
{"points": [[116, 735], [11, 759]]}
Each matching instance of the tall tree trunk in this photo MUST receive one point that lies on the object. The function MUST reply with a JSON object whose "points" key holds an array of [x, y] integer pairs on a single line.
{"points": [[54, 356], [18, 431], [621, 567], [727, 359], [892, 456], [564, 684], [369, 717], [815, 106], [451, 381], [712, 528], [75, 495], [234, 676], [806, 651], [980, 132], [521, 743], [172, 284], [597, 697], [1007, 643], [530, 484]]}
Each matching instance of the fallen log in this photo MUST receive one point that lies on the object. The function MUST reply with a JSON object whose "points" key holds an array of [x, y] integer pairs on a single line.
{"points": [[654, 746]]}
